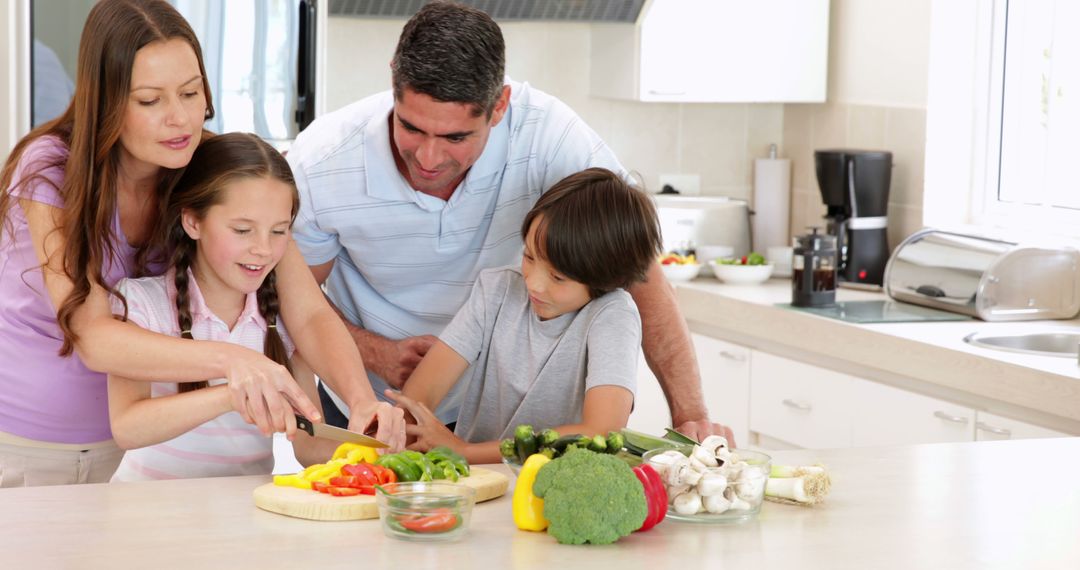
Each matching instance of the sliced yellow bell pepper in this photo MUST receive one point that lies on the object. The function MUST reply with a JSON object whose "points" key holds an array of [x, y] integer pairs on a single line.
{"points": [[292, 481], [528, 508], [355, 453]]}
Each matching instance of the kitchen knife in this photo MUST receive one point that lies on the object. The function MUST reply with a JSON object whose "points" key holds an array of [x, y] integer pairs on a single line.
{"points": [[336, 433]]}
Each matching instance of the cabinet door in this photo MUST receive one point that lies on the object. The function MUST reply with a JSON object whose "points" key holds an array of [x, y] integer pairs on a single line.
{"points": [[725, 383], [990, 427], [650, 414], [883, 415], [799, 404]]}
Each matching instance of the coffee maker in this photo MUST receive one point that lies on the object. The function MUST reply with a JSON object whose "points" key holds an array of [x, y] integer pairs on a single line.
{"points": [[855, 188]]}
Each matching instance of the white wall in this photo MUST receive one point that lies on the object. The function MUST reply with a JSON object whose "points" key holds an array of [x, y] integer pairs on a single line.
{"points": [[717, 142]]}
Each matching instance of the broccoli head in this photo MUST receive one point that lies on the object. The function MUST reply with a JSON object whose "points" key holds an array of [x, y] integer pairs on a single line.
{"points": [[590, 497]]}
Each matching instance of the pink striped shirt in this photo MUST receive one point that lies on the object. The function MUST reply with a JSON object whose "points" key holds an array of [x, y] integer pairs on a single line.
{"points": [[225, 445]]}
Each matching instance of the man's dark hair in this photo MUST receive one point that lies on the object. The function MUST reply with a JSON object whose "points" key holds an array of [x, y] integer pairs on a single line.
{"points": [[596, 229], [451, 53]]}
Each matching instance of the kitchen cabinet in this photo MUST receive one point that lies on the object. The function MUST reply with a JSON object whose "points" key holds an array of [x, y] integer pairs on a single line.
{"points": [[799, 404], [715, 51], [725, 383], [884, 415], [991, 427]]}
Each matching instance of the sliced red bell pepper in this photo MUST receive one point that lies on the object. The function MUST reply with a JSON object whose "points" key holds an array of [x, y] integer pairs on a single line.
{"points": [[320, 487], [655, 495], [440, 520], [363, 471], [343, 491]]}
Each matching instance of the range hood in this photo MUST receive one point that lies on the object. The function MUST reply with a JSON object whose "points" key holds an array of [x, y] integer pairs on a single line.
{"points": [[609, 11]]}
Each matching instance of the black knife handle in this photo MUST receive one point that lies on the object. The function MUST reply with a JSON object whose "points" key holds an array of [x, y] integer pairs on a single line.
{"points": [[305, 424]]}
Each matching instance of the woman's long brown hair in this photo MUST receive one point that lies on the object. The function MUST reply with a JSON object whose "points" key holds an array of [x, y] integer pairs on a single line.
{"points": [[90, 128], [218, 162]]}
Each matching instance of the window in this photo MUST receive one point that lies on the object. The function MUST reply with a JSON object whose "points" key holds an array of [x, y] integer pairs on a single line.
{"points": [[1003, 117]]}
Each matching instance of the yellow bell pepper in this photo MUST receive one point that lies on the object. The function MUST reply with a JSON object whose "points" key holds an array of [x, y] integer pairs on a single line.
{"points": [[528, 508], [355, 453], [292, 481]]}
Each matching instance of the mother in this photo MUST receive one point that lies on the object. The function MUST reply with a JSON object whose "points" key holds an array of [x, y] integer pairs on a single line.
{"points": [[82, 201]]}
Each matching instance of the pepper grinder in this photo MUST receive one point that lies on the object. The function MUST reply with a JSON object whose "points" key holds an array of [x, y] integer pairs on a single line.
{"points": [[813, 276]]}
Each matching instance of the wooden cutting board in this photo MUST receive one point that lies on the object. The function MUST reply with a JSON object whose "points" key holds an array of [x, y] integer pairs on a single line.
{"points": [[308, 504]]}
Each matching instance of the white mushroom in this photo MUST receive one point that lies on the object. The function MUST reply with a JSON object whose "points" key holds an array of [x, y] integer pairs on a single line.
{"points": [[737, 504], [712, 483], [705, 456], [716, 504], [750, 484], [688, 503], [714, 443]]}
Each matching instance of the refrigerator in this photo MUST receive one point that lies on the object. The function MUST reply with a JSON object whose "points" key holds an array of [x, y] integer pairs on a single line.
{"points": [[262, 58]]}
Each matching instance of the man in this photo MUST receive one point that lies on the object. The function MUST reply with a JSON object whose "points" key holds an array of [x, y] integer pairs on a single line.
{"points": [[406, 195]]}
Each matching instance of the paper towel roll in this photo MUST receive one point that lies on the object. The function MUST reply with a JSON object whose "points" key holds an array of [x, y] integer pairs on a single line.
{"points": [[772, 203]]}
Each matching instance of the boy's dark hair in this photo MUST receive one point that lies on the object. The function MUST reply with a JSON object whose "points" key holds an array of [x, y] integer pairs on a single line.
{"points": [[596, 229], [451, 53]]}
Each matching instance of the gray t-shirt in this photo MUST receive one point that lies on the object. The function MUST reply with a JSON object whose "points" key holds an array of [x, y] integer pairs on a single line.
{"points": [[527, 371]]}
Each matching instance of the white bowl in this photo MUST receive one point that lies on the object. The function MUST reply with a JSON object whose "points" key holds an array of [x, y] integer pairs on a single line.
{"points": [[741, 274], [675, 272], [706, 253]]}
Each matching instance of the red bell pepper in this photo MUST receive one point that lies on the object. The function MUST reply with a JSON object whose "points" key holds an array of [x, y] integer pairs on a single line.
{"points": [[655, 495], [343, 491], [440, 520], [363, 471]]}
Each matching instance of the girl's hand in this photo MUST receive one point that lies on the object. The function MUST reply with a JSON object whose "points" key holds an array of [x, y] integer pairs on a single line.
{"points": [[265, 393], [390, 422], [429, 430]]}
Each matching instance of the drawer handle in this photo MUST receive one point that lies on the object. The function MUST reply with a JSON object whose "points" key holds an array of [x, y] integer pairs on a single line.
{"points": [[732, 356], [950, 418], [803, 407], [994, 430], [668, 93]]}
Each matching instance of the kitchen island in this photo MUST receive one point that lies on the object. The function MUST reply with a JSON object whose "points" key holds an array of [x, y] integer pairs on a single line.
{"points": [[1009, 504]]}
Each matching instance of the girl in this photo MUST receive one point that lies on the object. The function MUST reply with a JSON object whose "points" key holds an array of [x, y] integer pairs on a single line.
{"points": [[553, 343], [81, 200], [228, 227]]}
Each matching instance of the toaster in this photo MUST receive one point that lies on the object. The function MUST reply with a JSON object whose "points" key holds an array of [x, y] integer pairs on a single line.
{"points": [[687, 222], [989, 279]]}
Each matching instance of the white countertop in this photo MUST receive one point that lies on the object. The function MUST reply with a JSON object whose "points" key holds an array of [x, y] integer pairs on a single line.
{"points": [[930, 357], [1008, 504]]}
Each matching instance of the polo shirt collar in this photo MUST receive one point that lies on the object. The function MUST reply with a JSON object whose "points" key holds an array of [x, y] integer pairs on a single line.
{"points": [[201, 312]]}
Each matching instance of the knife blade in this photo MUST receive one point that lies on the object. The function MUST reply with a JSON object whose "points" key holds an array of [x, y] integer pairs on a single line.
{"points": [[330, 432]]}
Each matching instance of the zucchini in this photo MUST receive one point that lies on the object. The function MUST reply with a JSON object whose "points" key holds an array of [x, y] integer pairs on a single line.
{"points": [[524, 442], [559, 446]]}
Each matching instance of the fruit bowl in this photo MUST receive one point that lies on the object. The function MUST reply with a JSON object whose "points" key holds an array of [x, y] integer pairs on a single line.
{"points": [[684, 272], [741, 274]]}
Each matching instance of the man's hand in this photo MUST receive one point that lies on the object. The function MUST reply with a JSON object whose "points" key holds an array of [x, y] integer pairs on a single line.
{"points": [[700, 429], [396, 359], [429, 430], [390, 422], [265, 394]]}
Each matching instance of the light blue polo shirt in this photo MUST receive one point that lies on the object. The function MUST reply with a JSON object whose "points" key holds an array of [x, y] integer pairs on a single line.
{"points": [[404, 261]]}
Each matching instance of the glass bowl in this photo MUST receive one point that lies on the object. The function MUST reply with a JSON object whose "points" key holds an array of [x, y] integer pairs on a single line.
{"points": [[512, 464], [748, 485], [425, 511]]}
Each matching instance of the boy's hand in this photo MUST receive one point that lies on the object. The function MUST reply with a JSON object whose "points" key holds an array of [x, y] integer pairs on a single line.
{"points": [[429, 430]]}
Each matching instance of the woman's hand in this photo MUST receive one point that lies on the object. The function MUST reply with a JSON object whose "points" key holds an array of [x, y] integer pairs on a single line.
{"points": [[265, 393], [429, 430], [389, 422]]}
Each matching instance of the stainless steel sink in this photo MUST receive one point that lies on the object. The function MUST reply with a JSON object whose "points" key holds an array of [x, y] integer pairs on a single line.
{"points": [[1043, 344]]}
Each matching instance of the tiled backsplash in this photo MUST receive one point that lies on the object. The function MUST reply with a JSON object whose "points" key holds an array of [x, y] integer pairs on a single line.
{"points": [[718, 142]]}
